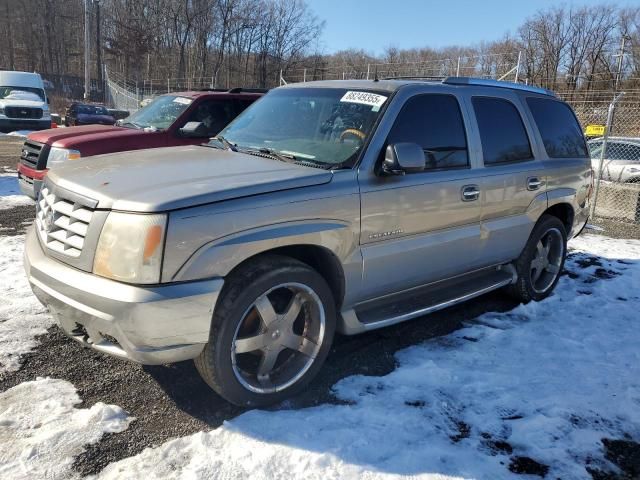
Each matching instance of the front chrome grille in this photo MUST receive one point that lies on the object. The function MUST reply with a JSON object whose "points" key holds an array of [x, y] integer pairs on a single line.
{"points": [[62, 223], [23, 112], [32, 153]]}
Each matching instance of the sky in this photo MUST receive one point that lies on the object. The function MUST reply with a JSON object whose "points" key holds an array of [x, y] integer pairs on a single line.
{"points": [[374, 25]]}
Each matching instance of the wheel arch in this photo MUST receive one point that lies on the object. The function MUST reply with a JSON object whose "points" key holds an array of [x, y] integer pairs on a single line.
{"points": [[329, 247], [321, 259], [564, 212]]}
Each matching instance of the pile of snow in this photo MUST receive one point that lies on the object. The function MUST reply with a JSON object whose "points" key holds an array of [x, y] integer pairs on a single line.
{"points": [[10, 194], [22, 317], [20, 133], [41, 431], [546, 381], [17, 133]]}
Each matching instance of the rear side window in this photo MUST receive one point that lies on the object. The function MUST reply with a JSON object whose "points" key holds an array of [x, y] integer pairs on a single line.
{"points": [[434, 122], [560, 131], [502, 133]]}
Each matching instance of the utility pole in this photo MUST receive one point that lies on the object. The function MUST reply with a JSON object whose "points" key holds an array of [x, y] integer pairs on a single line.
{"points": [[620, 62], [87, 46], [12, 64], [99, 49]]}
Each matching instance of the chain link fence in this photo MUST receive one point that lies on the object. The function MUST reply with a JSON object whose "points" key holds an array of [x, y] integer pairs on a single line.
{"points": [[121, 94], [613, 133], [612, 128]]}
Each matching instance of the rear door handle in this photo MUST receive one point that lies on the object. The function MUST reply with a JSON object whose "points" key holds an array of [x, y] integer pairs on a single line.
{"points": [[470, 193], [533, 183]]}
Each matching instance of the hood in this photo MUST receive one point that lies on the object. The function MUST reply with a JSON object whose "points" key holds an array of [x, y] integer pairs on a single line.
{"points": [[72, 137], [20, 102], [162, 179]]}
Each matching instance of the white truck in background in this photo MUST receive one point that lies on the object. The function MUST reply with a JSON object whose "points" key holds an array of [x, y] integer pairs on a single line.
{"points": [[23, 102]]}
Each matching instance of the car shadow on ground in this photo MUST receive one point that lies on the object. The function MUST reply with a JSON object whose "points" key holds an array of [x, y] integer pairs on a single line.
{"points": [[178, 402], [366, 354]]}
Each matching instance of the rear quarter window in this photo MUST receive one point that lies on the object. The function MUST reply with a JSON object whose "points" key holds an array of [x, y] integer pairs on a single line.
{"points": [[558, 127], [502, 133]]}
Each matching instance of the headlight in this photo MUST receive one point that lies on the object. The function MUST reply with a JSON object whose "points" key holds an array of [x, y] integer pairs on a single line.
{"points": [[130, 247], [61, 155], [1, 110]]}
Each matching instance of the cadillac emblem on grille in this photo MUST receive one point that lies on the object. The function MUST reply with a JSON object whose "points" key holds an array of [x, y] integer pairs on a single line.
{"points": [[48, 220]]}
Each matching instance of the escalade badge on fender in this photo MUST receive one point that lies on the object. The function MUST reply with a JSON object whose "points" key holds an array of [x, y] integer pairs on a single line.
{"points": [[386, 234]]}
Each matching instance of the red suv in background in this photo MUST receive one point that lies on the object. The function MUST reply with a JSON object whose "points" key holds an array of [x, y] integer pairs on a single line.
{"points": [[180, 118]]}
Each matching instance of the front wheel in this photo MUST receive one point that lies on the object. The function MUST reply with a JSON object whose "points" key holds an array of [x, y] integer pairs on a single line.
{"points": [[271, 331], [541, 262]]}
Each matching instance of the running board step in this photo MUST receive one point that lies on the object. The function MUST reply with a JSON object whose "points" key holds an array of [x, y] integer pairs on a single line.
{"points": [[430, 298]]}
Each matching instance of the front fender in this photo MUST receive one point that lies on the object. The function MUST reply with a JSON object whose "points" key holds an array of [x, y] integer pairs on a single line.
{"points": [[218, 257]]}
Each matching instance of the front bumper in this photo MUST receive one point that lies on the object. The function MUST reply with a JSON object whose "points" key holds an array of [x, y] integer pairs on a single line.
{"points": [[29, 186], [30, 180], [149, 325], [11, 125]]}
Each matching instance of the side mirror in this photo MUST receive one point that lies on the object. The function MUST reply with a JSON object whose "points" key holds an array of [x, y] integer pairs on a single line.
{"points": [[401, 158], [195, 130], [48, 101]]}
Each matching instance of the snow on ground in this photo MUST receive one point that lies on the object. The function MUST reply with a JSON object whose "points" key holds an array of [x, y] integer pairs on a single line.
{"points": [[41, 431], [10, 194], [22, 317], [17, 133], [546, 381]]}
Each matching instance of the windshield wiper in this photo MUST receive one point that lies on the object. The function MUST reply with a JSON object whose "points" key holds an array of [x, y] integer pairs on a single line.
{"points": [[271, 152], [225, 143], [133, 124]]}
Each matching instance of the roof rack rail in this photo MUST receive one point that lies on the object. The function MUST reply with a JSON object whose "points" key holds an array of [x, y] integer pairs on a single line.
{"points": [[414, 77], [248, 90], [496, 83], [211, 89]]}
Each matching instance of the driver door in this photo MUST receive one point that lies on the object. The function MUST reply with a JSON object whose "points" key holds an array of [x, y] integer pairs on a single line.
{"points": [[421, 227]]}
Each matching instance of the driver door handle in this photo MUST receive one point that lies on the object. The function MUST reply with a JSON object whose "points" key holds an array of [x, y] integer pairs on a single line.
{"points": [[470, 193], [533, 183]]}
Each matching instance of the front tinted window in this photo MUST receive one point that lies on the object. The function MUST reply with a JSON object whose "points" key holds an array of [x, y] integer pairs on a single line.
{"points": [[435, 123], [214, 114], [560, 131], [92, 110], [595, 148], [502, 133], [159, 114], [327, 126]]}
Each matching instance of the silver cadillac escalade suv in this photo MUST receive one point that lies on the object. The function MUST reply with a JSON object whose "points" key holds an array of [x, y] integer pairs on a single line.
{"points": [[326, 206]]}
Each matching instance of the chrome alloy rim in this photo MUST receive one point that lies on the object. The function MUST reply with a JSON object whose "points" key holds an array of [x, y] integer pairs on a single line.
{"points": [[545, 266], [278, 338]]}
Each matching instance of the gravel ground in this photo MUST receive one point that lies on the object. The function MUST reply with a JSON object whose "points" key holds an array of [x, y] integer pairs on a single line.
{"points": [[9, 153], [171, 401]]}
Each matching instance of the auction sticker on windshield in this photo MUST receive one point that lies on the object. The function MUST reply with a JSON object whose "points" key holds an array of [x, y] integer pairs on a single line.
{"points": [[182, 100], [364, 98]]}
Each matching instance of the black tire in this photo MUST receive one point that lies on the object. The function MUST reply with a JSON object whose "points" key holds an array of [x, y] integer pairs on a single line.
{"points": [[242, 289], [525, 289]]}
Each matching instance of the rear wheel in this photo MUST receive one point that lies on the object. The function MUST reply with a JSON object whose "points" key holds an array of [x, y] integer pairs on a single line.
{"points": [[271, 331], [541, 262]]}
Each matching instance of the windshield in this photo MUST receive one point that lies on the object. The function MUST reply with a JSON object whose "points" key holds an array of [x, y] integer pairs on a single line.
{"points": [[595, 149], [7, 92], [327, 126], [92, 110], [159, 114]]}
